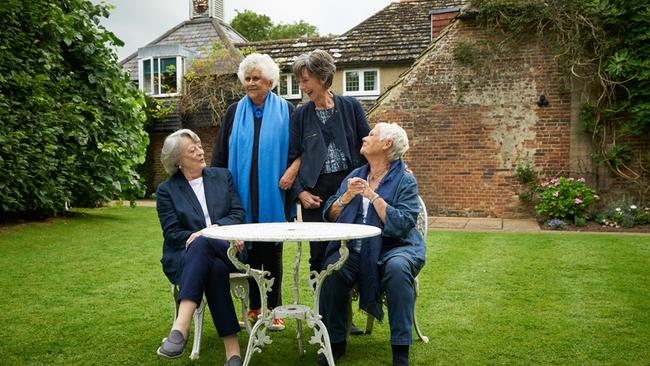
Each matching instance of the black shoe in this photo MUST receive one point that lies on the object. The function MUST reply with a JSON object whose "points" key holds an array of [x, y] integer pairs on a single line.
{"points": [[338, 350], [355, 331], [400, 355], [173, 345], [234, 361]]}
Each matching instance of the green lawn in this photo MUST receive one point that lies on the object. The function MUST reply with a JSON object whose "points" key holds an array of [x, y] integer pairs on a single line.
{"points": [[89, 290]]}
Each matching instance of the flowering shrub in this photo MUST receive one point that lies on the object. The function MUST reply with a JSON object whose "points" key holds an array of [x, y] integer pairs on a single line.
{"points": [[565, 198], [555, 224], [625, 216]]}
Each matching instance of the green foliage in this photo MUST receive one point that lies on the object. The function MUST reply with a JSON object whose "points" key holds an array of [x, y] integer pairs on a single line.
{"points": [[259, 27], [525, 173], [207, 86], [565, 198], [602, 41], [624, 213], [293, 30], [254, 27], [70, 120]]}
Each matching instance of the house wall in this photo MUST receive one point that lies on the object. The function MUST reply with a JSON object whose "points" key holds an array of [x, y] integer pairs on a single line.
{"points": [[208, 137], [470, 127]]}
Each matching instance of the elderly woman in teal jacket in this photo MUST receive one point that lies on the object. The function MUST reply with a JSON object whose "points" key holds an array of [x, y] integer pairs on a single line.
{"points": [[193, 198], [383, 194]]}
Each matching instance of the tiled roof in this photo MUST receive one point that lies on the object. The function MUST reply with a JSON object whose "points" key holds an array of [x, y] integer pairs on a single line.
{"points": [[394, 35], [197, 35]]}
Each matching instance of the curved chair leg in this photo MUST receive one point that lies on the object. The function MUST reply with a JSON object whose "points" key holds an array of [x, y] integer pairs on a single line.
{"points": [[198, 330], [416, 325]]}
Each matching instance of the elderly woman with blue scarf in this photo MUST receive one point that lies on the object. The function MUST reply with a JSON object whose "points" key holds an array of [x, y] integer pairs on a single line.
{"points": [[253, 143], [383, 194]]}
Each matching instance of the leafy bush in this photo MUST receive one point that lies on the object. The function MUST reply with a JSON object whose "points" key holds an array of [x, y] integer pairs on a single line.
{"points": [[70, 119], [623, 214], [565, 198]]}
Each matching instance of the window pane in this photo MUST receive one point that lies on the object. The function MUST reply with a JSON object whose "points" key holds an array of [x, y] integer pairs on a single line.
{"points": [[156, 76], [295, 86], [168, 75], [351, 81], [282, 85], [146, 76], [370, 81]]}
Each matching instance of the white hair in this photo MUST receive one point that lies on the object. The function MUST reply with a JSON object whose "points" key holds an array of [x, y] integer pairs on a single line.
{"points": [[395, 133], [170, 156], [262, 62]]}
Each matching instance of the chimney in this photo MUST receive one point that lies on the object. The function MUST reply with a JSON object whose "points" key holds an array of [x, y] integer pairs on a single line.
{"points": [[440, 18], [206, 9]]}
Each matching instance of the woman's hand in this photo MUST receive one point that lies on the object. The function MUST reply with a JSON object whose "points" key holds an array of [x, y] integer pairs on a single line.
{"points": [[290, 174], [356, 186], [287, 179], [239, 244], [191, 239], [309, 200]]}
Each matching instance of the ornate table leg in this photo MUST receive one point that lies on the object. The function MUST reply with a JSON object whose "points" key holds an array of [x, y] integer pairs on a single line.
{"points": [[316, 278], [321, 336], [257, 337], [296, 287]]}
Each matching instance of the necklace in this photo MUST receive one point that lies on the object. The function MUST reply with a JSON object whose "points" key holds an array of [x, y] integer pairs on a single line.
{"points": [[378, 176]]}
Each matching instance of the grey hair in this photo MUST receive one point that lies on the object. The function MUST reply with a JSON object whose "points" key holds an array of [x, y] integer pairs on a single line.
{"points": [[395, 133], [170, 156], [318, 63], [262, 62]]}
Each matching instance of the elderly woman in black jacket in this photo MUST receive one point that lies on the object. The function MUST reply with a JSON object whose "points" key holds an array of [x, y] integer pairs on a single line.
{"points": [[327, 133], [193, 198]]}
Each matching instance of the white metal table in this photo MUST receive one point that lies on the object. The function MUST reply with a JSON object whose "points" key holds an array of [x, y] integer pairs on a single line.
{"points": [[290, 232]]}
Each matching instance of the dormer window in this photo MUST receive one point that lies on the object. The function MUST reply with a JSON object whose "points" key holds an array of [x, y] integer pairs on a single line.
{"points": [[161, 76], [161, 69]]}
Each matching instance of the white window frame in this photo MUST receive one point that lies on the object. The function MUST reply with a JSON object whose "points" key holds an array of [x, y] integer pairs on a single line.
{"points": [[361, 92], [180, 71], [289, 94]]}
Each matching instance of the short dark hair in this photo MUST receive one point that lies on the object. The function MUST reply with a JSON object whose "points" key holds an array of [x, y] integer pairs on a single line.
{"points": [[318, 63]]}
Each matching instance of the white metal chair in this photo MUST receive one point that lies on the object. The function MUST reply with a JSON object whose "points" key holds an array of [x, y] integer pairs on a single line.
{"points": [[422, 226], [238, 288]]}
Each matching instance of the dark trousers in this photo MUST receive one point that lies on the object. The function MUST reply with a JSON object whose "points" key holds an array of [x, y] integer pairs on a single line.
{"points": [[269, 257], [207, 270], [325, 187]]}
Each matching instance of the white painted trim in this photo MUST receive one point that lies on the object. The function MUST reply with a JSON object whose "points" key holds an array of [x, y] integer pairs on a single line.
{"points": [[361, 91], [289, 95]]}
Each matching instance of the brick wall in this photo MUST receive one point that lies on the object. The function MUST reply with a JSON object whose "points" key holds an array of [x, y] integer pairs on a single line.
{"points": [[208, 137], [469, 129]]}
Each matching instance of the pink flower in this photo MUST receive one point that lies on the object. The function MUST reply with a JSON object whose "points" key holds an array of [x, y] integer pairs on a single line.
{"points": [[556, 193], [581, 180], [571, 179], [577, 201], [555, 181], [544, 184]]}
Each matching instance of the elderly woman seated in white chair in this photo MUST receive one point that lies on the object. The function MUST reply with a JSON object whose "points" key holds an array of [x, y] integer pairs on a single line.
{"points": [[193, 198], [383, 194]]}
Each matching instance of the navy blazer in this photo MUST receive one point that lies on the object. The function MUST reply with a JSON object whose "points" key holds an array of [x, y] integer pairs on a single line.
{"points": [[307, 141], [180, 213]]}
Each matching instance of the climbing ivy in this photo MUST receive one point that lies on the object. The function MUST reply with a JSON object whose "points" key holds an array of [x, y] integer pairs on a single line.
{"points": [[607, 43]]}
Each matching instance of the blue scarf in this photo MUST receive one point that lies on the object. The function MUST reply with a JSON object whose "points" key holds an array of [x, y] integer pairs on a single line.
{"points": [[372, 248], [271, 157]]}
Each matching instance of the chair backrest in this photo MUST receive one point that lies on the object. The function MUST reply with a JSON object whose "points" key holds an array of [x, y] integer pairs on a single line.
{"points": [[422, 223]]}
